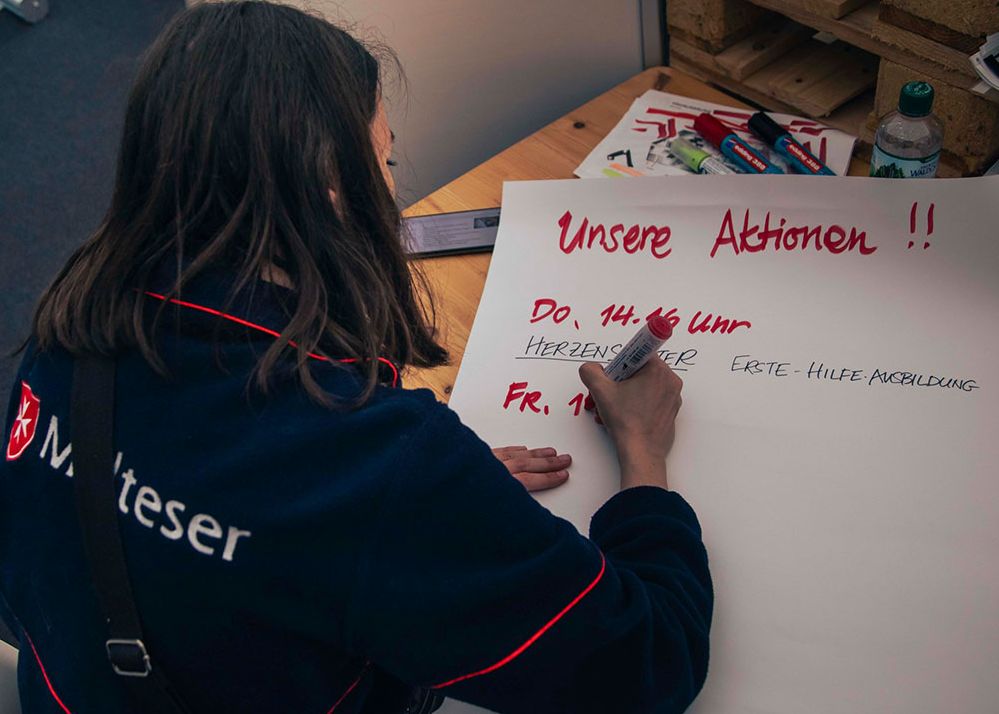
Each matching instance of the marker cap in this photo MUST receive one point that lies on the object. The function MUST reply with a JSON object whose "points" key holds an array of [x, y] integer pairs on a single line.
{"points": [[660, 327], [766, 128], [711, 129], [689, 154]]}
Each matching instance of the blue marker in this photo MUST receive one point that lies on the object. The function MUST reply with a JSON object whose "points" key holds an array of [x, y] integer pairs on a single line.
{"points": [[800, 158], [734, 148]]}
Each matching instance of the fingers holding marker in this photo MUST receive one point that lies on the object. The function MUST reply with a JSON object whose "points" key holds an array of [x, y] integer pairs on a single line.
{"points": [[637, 396], [595, 379]]}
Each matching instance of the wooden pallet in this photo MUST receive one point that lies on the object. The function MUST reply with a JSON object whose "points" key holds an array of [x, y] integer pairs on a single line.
{"points": [[863, 29], [849, 118], [784, 69], [822, 58]]}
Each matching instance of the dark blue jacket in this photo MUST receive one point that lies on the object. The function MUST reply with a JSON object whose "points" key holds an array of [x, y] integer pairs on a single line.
{"points": [[287, 557]]}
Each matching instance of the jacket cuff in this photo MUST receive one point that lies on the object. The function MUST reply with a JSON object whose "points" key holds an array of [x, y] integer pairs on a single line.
{"points": [[638, 502]]}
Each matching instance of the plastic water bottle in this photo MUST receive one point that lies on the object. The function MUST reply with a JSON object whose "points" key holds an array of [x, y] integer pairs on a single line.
{"points": [[907, 142]]}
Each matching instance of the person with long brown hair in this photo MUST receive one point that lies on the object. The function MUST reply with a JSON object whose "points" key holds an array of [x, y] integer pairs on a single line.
{"points": [[300, 532]]}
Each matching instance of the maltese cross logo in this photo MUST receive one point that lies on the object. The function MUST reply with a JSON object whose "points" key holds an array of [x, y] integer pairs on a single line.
{"points": [[23, 430]]}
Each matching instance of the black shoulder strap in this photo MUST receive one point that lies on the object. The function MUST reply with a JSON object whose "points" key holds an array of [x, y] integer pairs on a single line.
{"points": [[91, 420]]}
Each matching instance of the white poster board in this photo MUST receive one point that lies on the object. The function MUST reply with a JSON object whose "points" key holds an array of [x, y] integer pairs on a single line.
{"points": [[841, 450]]}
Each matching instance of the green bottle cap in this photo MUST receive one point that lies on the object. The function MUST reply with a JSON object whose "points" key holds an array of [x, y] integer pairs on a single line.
{"points": [[916, 99]]}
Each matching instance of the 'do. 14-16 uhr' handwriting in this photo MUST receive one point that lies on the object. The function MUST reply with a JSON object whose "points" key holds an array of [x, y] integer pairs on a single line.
{"points": [[548, 309]]}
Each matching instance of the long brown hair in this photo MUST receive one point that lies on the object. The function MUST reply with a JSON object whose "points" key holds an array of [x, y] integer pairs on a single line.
{"points": [[242, 119]]}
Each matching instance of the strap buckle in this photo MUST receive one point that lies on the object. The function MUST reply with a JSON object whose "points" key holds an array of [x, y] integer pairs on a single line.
{"points": [[129, 658]]}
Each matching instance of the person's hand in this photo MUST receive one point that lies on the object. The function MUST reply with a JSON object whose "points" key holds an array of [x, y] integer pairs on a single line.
{"points": [[640, 415], [536, 469]]}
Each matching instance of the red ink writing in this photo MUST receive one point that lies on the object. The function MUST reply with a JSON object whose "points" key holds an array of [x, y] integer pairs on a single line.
{"points": [[670, 315], [724, 325], [929, 223], [580, 402], [618, 313], [631, 239], [778, 235], [528, 399], [627, 315], [546, 307]]}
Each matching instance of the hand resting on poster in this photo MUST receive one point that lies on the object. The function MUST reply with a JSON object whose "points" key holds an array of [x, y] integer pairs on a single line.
{"points": [[640, 416], [536, 469]]}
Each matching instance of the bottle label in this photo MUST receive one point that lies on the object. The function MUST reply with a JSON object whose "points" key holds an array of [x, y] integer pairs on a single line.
{"points": [[885, 165]]}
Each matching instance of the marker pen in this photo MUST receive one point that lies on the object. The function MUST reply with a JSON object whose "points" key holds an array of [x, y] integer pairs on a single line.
{"points": [[744, 156], [800, 158], [639, 349], [697, 159]]}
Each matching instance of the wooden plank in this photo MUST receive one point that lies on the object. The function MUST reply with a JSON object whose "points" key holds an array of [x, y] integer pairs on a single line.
{"points": [[825, 78], [969, 18], [679, 48], [929, 29], [833, 9], [708, 45], [948, 57], [694, 70], [851, 116], [756, 89], [798, 66], [712, 25], [761, 48], [835, 90], [857, 28], [743, 90]]}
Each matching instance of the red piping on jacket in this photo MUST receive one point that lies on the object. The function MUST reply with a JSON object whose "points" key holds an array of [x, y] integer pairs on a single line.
{"points": [[520, 650], [45, 675], [269, 331], [364, 670]]}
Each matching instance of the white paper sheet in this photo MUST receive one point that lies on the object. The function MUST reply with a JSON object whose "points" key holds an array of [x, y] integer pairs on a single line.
{"points": [[852, 524], [660, 116]]}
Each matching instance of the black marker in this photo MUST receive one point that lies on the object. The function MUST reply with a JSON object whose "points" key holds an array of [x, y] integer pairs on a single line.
{"points": [[800, 158]]}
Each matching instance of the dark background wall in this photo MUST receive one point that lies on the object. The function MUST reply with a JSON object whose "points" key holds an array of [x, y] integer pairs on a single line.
{"points": [[63, 86]]}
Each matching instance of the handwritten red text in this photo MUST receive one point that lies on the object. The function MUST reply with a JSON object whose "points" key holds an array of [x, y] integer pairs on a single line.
{"points": [[631, 239], [778, 235]]}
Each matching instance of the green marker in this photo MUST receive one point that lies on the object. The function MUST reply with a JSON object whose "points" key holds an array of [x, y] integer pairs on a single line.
{"points": [[696, 159]]}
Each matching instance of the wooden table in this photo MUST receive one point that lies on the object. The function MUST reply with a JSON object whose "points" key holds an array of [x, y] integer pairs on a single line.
{"points": [[550, 153]]}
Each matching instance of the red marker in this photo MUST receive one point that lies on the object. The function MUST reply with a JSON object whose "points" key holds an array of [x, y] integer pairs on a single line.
{"points": [[739, 152], [639, 349]]}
